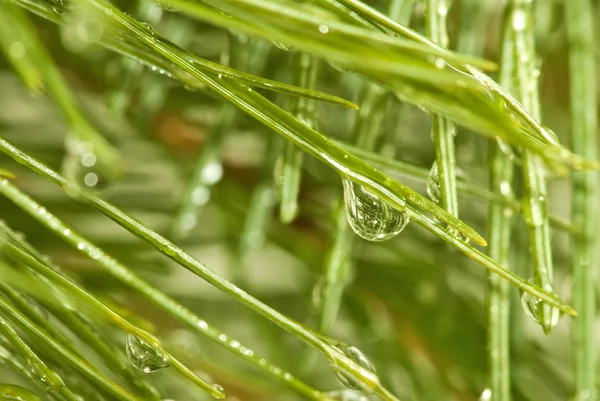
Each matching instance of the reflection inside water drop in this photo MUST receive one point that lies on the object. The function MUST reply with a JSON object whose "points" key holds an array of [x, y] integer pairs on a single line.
{"points": [[348, 379], [145, 356], [43, 377], [369, 216], [539, 311], [217, 392]]}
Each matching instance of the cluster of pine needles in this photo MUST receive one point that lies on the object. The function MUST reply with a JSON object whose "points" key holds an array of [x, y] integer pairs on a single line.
{"points": [[329, 200]]}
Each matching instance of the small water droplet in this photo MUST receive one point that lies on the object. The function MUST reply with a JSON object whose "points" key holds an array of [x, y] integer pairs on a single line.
{"points": [[357, 356], [146, 355], [433, 184], [148, 28], [458, 235], [370, 217], [43, 377], [539, 311], [212, 173], [346, 395], [519, 20], [81, 166], [323, 29], [217, 392], [283, 46], [170, 249], [486, 395]]}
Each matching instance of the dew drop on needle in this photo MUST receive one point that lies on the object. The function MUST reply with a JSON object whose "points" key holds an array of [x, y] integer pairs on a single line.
{"points": [[369, 216], [43, 377], [81, 166], [539, 311], [146, 355], [351, 379], [217, 392]]}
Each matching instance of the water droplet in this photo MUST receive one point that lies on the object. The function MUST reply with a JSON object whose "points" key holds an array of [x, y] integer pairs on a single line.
{"points": [[148, 28], [346, 395], [323, 29], [346, 378], [539, 311], [442, 9], [146, 355], [519, 20], [486, 395], [82, 167], [283, 46], [370, 217], [212, 173], [170, 249], [440, 63], [433, 184], [43, 377], [217, 392], [458, 235]]}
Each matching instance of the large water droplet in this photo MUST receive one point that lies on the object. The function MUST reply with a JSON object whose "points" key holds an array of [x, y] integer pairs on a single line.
{"points": [[82, 167], [43, 377], [433, 184], [346, 395], [369, 216], [217, 392], [357, 356], [146, 355], [539, 311]]}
